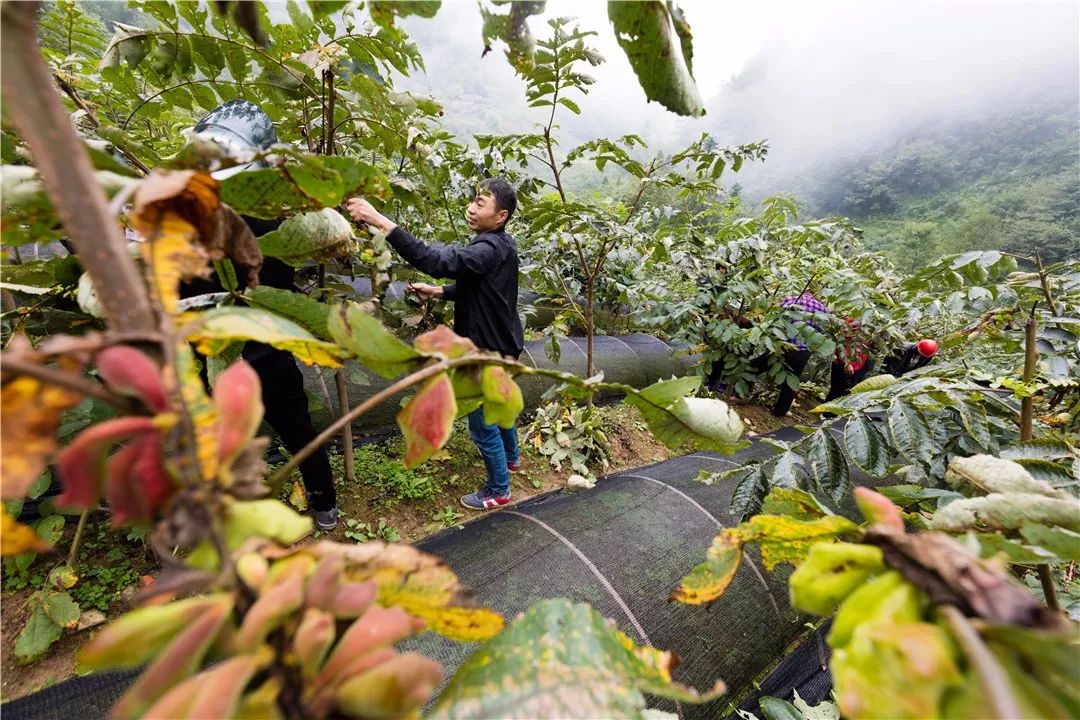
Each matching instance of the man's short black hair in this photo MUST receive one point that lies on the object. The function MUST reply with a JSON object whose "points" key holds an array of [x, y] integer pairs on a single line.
{"points": [[504, 194]]}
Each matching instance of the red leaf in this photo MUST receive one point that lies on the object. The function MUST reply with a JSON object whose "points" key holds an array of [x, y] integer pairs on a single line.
{"points": [[130, 372], [120, 487], [81, 465], [442, 340], [878, 509], [427, 420], [137, 483], [238, 398]]}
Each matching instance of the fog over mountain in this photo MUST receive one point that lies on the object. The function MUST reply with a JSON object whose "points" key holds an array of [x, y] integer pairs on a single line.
{"points": [[821, 81]]}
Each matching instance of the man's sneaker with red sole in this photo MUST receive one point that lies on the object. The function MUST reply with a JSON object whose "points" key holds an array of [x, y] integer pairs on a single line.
{"points": [[514, 466], [485, 500]]}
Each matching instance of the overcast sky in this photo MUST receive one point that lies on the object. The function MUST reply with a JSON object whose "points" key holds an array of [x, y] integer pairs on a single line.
{"points": [[843, 66]]}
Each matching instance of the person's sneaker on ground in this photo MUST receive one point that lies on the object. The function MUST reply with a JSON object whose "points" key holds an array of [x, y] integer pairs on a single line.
{"points": [[326, 520], [514, 466], [484, 500]]}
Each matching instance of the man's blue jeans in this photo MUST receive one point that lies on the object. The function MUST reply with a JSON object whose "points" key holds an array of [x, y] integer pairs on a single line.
{"points": [[498, 446]]}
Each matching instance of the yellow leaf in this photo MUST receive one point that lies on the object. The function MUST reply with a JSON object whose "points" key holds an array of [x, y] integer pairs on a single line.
{"points": [[298, 496], [172, 256], [200, 409], [214, 330], [710, 579], [457, 623], [16, 538], [781, 538], [29, 418], [418, 583], [785, 539]]}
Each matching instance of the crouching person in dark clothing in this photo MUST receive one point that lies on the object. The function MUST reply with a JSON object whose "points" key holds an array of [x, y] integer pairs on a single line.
{"points": [[239, 124], [851, 365], [485, 292], [912, 357]]}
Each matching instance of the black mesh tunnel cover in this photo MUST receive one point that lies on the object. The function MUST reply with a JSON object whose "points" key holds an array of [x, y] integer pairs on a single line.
{"points": [[622, 547]]}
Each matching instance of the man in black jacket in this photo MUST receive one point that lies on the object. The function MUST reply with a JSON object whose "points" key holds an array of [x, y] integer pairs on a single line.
{"points": [[485, 292]]}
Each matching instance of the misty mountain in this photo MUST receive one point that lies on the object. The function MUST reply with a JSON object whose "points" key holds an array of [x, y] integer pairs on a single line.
{"points": [[940, 128]]}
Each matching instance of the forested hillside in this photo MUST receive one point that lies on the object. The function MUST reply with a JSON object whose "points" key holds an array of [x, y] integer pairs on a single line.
{"points": [[887, 117], [1009, 181]]}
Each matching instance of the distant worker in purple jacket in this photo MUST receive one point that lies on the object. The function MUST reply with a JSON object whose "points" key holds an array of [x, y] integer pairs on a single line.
{"points": [[795, 358], [485, 294]]}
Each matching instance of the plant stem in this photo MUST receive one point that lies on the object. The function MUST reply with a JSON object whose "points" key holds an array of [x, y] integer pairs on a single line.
{"points": [[335, 427], [995, 685], [78, 537], [1049, 591], [76, 383], [1045, 284], [42, 121], [1031, 358], [346, 432], [329, 121], [70, 92]]}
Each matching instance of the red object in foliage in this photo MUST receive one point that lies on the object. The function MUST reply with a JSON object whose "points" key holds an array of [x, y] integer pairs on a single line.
{"points": [[927, 348]]}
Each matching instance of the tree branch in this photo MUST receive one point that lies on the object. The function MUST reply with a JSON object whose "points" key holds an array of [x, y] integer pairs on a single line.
{"points": [[995, 685], [43, 123], [68, 90], [69, 381]]}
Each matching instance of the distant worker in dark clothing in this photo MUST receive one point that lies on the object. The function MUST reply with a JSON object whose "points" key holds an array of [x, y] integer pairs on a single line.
{"points": [[852, 363], [796, 357], [485, 292], [912, 357], [242, 125]]}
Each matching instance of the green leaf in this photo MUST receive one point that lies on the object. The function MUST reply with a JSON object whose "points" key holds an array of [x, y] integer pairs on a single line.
{"points": [[49, 273], [383, 12], [1063, 543], [50, 528], [320, 235], [910, 433], [214, 330], [1006, 511], [502, 397], [1042, 449], [907, 495], [973, 418], [865, 446], [793, 502], [996, 545], [1048, 472], [61, 609], [562, 660], [983, 474], [785, 470], [26, 213], [776, 709], [306, 312], [878, 382], [370, 342], [321, 182], [44, 480], [828, 466], [750, 492], [646, 34], [38, 635], [674, 419]]}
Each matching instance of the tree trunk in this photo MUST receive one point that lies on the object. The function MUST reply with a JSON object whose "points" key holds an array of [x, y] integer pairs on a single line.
{"points": [[590, 331], [346, 432], [43, 123], [1031, 358]]}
